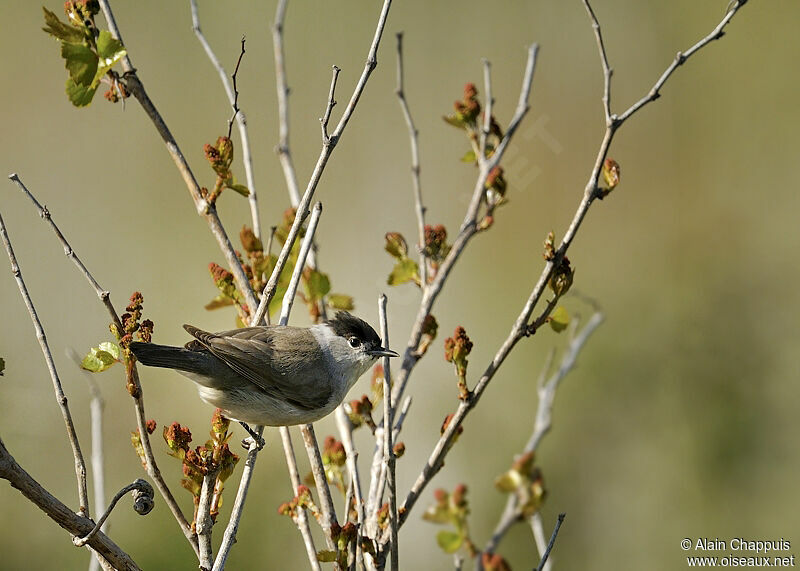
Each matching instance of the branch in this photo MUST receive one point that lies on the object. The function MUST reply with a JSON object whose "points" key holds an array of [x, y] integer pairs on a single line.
{"points": [[325, 153], [331, 104], [561, 517], [138, 398], [229, 537], [142, 504], [136, 87], [238, 114], [61, 398], [284, 154], [607, 71], [537, 528], [75, 524], [203, 522], [487, 113], [415, 167], [328, 519], [543, 422], [388, 423]]}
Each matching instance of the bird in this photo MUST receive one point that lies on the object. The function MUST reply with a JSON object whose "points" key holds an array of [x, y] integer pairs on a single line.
{"points": [[273, 375]]}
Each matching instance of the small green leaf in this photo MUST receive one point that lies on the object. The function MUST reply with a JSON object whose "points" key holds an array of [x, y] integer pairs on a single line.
{"points": [[406, 270], [59, 29], [111, 51], [326, 556], [341, 301], [449, 541], [454, 121], [97, 360], [217, 302], [112, 349], [559, 319], [317, 285], [81, 62], [436, 514], [469, 157], [508, 482], [396, 245], [79, 95], [240, 188]]}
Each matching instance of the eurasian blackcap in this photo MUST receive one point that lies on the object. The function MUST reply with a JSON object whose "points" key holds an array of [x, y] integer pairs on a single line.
{"points": [[273, 375]]}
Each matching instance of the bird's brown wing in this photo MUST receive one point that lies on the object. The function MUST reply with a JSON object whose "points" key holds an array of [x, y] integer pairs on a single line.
{"points": [[263, 356]]}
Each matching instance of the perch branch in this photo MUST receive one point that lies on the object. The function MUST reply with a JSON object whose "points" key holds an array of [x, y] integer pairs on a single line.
{"points": [[238, 114], [388, 423], [138, 399], [203, 522]]}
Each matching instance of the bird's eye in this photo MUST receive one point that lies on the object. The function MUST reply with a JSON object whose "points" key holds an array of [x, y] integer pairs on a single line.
{"points": [[355, 342]]}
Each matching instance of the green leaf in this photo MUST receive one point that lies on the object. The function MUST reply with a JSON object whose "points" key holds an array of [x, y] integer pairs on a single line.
{"points": [[79, 95], [97, 360], [112, 349], [449, 541], [240, 188], [2, 366], [317, 285], [454, 121], [341, 301], [559, 319], [396, 245], [59, 29], [406, 270], [111, 51], [508, 482], [81, 62], [469, 157], [326, 556], [219, 301]]}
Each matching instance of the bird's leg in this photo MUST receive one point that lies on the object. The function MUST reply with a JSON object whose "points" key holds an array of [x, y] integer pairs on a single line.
{"points": [[256, 438]]}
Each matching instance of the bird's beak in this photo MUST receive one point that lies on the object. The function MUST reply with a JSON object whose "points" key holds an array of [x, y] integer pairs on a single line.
{"points": [[381, 352]]}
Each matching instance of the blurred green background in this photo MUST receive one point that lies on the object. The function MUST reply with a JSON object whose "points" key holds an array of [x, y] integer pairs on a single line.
{"points": [[682, 417]]}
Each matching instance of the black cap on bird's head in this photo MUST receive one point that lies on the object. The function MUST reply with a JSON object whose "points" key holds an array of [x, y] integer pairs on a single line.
{"points": [[359, 332]]}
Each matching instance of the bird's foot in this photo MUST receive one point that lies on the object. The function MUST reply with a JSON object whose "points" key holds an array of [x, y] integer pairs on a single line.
{"points": [[254, 437]]}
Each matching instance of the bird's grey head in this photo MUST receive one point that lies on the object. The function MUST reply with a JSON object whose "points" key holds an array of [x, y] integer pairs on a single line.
{"points": [[363, 344]]}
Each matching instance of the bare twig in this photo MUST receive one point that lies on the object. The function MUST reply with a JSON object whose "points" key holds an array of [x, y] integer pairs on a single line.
{"points": [[327, 508], [346, 433], [607, 71], [537, 528], [284, 152], [203, 522], [561, 517], [241, 120], [325, 153], [142, 504], [61, 398], [138, 398], [75, 524], [419, 207], [388, 423], [487, 113], [331, 104], [136, 87], [305, 247]]}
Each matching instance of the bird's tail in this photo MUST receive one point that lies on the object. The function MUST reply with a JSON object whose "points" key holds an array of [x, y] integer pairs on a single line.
{"points": [[169, 357]]}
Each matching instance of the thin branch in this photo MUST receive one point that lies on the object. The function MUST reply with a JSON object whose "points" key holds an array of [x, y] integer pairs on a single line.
{"points": [[680, 59], [203, 522], [229, 537], [329, 107], [61, 398], [561, 517], [346, 433], [325, 153], [388, 423], [546, 392], [305, 247], [136, 87], [607, 71], [328, 519], [65, 517], [142, 503], [419, 207], [284, 153], [138, 398], [537, 528], [241, 120], [487, 113]]}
